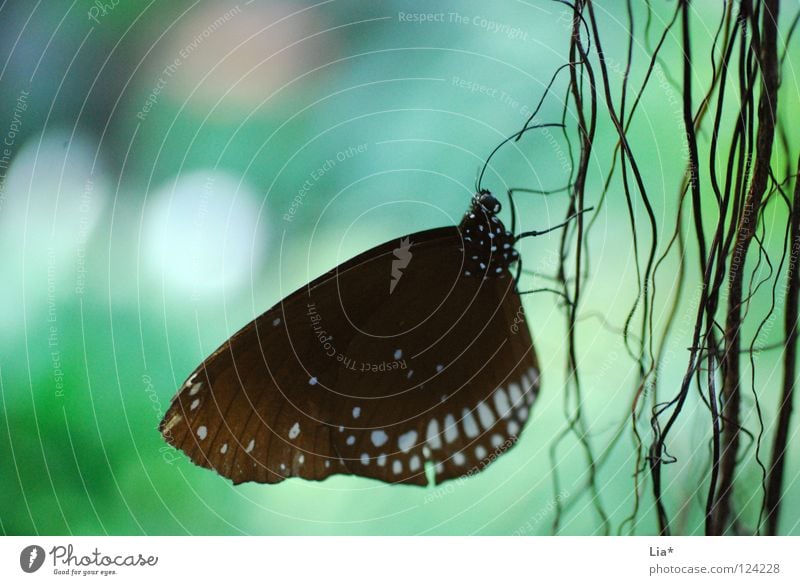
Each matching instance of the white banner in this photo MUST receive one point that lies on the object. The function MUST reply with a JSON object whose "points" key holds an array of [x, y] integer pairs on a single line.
{"points": [[400, 560]]}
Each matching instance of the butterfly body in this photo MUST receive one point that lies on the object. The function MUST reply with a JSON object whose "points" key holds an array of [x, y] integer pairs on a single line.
{"points": [[399, 359]]}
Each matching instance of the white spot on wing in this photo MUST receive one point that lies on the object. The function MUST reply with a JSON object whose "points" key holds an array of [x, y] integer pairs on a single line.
{"points": [[356, 411], [379, 438], [450, 429], [351, 440], [195, 403], [406, 441], [532, 385], [534, 376], [485, 415], [501, 404], [480, 452], [413, 465], [276, 321], [172, 422], [515, 393], [470, 425], [398, 354], [365, 459], [224, 449], [513, 427], [294, 431], [195, 389], [250, 445], [313, 380], [397, 467], [202, 432], [381, 459], [497, 440], [432, 435], [458, 458]]}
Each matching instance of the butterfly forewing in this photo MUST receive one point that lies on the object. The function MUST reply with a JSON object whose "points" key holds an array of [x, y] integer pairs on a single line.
{"points": [[265, 391]]}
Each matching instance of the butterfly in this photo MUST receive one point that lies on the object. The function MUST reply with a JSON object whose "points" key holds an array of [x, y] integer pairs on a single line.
{"points": [[405, 364]]}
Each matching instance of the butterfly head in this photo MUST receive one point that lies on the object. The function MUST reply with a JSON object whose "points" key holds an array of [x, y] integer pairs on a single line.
{"points": [[487, 202]]}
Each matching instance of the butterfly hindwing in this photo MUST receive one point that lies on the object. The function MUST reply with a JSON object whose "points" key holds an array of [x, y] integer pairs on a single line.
{"points": [[448, 404]]}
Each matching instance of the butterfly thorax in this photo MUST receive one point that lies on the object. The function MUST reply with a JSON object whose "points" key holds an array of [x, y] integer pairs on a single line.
{"points": [[488, 246]]}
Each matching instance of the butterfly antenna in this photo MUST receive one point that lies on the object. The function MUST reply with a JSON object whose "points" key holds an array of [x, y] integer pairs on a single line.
{"points": [[516, 136], [541, 100], [525, 127]]}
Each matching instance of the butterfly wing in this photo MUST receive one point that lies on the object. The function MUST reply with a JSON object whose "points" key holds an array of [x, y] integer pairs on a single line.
{"points": [[258, 408], [466, 379], [367, 375]]}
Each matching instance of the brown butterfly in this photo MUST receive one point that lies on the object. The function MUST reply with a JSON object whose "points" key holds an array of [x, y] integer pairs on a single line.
{"points": [[405, 364]]}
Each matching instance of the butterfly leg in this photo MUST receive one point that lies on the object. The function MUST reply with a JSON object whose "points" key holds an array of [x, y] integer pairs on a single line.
{"points": [[526, 190], [514, 207], [536, 290]]}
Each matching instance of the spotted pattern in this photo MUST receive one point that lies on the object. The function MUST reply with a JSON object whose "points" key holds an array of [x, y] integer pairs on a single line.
{"points": [[461, 441], [488, 246], [455, 443]]}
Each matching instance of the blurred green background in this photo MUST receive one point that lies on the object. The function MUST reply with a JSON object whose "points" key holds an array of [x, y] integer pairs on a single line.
{"points": [[175, 168]]}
